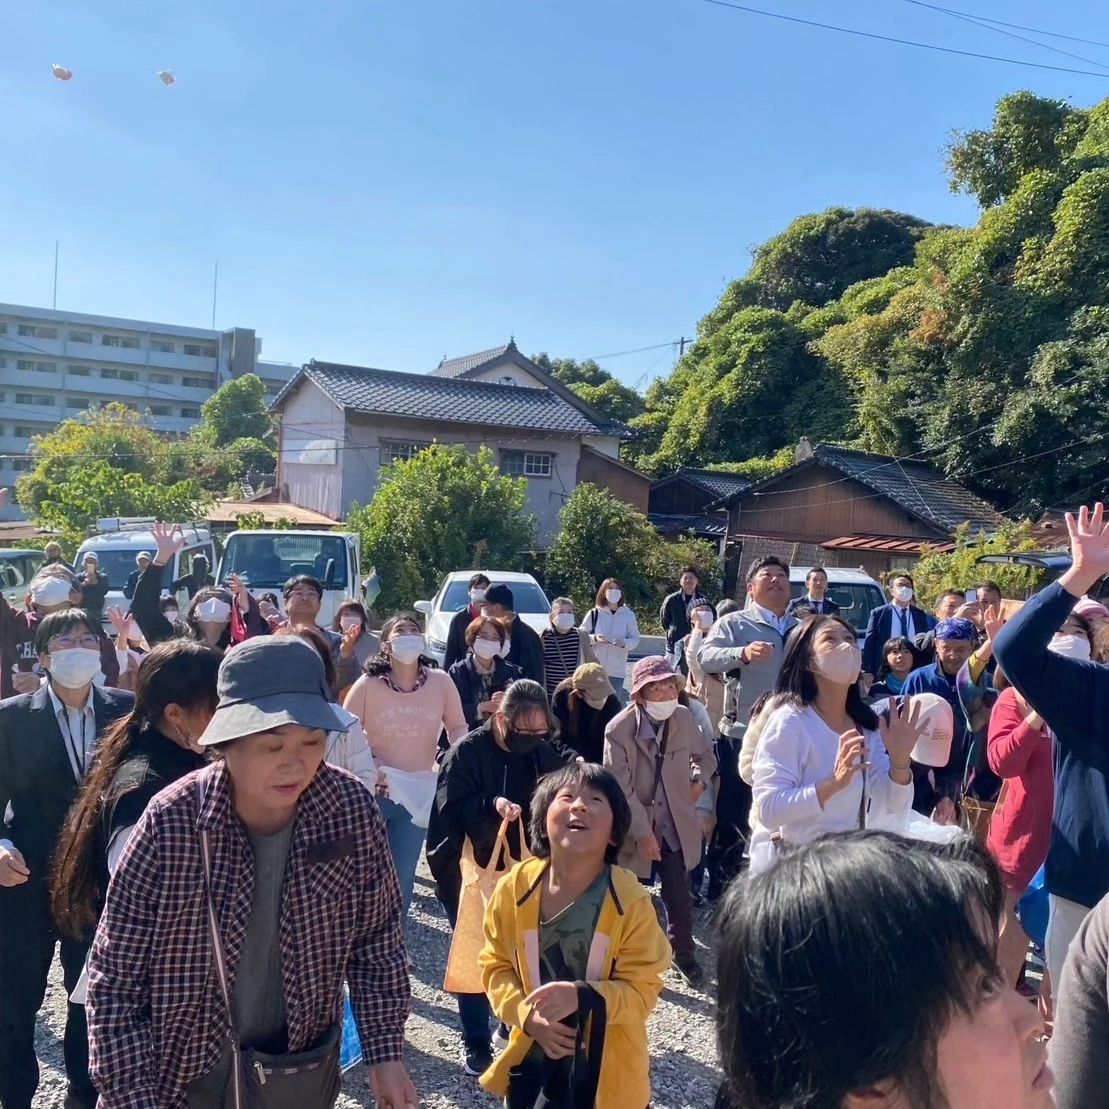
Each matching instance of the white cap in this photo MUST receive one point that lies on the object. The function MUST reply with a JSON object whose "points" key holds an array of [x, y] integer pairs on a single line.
{"points": [[937, 722], [144, 554]]}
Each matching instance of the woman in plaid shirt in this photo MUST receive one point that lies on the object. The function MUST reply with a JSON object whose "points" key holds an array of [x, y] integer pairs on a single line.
{"points": [[304, 893]]}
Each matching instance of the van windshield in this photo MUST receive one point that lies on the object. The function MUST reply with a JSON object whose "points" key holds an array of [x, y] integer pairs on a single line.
{"points": [[269, 561], [855, 601], [117, 565]]}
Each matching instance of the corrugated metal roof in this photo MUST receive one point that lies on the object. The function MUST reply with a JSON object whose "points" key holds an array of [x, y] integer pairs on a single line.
{"points": [[449, 400], [459, 367], [675, 523], [227, 512], [886, 544]]}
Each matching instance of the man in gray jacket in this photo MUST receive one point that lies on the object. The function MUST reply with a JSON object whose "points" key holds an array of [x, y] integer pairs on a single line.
{"points": [[747, 648]]}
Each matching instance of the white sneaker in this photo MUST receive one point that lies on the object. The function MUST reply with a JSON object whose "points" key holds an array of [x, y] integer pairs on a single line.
{"points": [[500, 1038]]}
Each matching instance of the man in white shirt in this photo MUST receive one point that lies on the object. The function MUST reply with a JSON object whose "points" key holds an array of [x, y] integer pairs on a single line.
{"points": [[899, 619], [47, 743]]}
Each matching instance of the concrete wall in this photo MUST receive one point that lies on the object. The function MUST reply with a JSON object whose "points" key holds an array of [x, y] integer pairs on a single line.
{"points": [[311, 452], [367, 450]]}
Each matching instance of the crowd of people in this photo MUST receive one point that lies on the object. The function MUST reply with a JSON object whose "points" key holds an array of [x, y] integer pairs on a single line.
{"points": [[216, 820]]}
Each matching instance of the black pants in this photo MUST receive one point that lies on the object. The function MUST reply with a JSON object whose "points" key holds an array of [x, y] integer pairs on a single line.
{"points": [[674, 882], [27, 942], [733, 810]]}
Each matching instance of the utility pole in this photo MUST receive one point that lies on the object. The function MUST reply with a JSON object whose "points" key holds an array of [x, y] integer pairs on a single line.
{"points": [[681, 347]]}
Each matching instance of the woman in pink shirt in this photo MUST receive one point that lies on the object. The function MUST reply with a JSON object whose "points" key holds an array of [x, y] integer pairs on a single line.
{"points": [[404, 703], [1019, 751]]}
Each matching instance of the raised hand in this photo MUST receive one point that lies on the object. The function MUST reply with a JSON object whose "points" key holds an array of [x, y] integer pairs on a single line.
{"points": [[1089, 548], [849, 758], [902, 730], [992, 623], [239, 591], [350, 637], [169, 540]]}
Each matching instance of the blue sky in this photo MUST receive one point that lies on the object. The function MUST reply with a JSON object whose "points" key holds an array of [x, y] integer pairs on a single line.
{"points": [[386, 183]]}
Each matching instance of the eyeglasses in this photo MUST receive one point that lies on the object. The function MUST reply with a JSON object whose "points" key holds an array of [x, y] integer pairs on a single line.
{"points": [[68, 642], [303, 595]]}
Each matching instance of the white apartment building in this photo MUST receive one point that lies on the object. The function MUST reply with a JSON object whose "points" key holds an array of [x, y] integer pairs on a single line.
{"points": [[55, 364]]}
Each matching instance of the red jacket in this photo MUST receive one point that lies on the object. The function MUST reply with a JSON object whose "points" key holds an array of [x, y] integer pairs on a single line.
{"points": [[1021, 826]]}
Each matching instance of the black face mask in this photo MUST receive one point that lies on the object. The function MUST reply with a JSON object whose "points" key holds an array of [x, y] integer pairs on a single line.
{"points": [[520, 743]]}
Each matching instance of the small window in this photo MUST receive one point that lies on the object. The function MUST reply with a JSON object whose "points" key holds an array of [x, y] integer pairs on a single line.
{"points": [[35, 367], [3, 329], [24, 432], [200, 350], [79, 371], [36, 332], [43, 399], [20, 465], [400, 452], [161, 379], [195, 383], [80, 336], [126, 342], [190, 412], [119, 375], [78, 404], [160, 410], [161, 346], [526, 464]]}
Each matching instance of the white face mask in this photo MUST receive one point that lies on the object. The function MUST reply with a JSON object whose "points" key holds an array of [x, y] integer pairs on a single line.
{"points": [[1070, 646], [170, 614], [903, 594], [213, 611], [487, 648], [505, 648], [564, 621], [660, 710], [75, 667], [407, 648], [50, 591], [840, 664], [612, 596], [348, 622], [477, 596]]}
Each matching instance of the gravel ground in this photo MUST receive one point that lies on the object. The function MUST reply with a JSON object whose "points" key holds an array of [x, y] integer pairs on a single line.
{"points": [[683, 1048]]}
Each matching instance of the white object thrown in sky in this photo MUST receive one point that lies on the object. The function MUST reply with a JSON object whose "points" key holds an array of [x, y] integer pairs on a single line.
{"points": [[166, 77], [61, 72]]}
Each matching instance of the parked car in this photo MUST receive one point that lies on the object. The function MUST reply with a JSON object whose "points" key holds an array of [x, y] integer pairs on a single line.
{"points": [[17, 568], [855, 591], [531, 603], [1051, 563]]}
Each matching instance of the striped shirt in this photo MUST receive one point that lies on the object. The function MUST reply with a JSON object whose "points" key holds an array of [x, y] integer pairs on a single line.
{"points": [[561, 656]]}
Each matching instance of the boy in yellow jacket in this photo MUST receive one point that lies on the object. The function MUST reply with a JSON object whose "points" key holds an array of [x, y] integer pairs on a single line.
{"points": [[574, 955]]}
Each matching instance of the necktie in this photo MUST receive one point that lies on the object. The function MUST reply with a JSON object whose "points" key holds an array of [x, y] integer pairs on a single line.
{"points": [[904, 622]]}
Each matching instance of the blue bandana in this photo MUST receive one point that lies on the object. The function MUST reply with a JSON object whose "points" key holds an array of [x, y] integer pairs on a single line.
{"points": [[956, 628]]}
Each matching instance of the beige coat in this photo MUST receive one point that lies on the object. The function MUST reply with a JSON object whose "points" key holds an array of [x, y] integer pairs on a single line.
{"points": [[632, 760]]}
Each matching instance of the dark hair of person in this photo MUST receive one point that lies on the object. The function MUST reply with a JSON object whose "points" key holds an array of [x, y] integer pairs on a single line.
{"points": [[271, 598], [206, 594], [727, 605], [302, 579], [524, 696], [766, 560], [319, 641], [796, 681], [689, 570], [954, 593], [176, 672], [804, 946], [382, 662], [473, 629], [60, 622], [479, 579], [578, 774], [357, 608], [990, 586], [168, 602], [760, 704], [898, 642], [601, 600], [898, 575], [816, 570]]}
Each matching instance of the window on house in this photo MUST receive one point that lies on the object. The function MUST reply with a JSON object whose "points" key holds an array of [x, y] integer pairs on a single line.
{"points": [[200, 350], [35, 367], [36, 332], [80, 336], [195, 382], [23, 432], [160, 410], [42, 399], [400, 451], [79, 371], [161, 346], [79, 404], [119, 375], [526, 464], [127, 342], [190, 412], [161, 379]]}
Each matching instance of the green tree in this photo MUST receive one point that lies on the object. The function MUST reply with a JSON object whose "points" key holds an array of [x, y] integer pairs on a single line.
{"points": [[443, 510], [596, 386], [600, 537], [238, 409]]}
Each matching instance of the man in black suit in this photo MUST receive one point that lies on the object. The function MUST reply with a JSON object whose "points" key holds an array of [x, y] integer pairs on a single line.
{"points": [[815, 599], [47, 743], [899, 618]]}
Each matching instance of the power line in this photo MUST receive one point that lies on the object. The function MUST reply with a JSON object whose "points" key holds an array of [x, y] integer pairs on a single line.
{"points": [[1034, 30], [1009, 34], [638, 350], [902, 42]]}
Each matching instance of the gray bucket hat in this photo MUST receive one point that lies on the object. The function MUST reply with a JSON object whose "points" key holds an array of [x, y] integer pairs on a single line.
{"points": [[266, 682]]}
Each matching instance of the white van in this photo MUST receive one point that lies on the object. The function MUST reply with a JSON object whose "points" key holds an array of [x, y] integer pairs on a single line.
{"points": [[855, 591], [119, 540], [267, 559]]}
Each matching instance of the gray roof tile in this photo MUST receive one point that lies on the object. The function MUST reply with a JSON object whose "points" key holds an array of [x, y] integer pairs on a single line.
{"points": [[721, 484], [431, 397], [459, 367]]}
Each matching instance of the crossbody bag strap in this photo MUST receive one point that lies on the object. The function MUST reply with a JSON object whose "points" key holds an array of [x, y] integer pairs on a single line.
{"points": [[660, 758], [218, 956]]}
